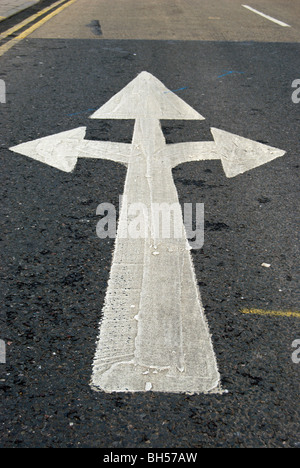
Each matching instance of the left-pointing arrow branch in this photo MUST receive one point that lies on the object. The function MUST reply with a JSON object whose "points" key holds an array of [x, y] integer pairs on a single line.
{"points": [[62, 150]]}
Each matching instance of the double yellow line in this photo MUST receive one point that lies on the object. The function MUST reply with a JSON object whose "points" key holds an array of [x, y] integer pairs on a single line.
{"points": [[57, 9]]}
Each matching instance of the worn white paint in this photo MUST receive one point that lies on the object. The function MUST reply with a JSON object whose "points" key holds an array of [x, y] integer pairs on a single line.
{"points": [[239, 155], [270, 18], [146, 97], [153, 332], [163, 342], [63, 149]]}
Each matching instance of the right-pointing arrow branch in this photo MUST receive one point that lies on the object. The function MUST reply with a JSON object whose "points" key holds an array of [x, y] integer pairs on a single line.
{"points": [[153, 335], [239, 154]]}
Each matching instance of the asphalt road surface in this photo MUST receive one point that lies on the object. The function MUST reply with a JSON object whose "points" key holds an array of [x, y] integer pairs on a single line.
{"points": [[236, 68]]}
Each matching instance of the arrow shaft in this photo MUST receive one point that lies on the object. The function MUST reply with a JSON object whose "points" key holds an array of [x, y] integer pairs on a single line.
{"points": [[153, 329]]}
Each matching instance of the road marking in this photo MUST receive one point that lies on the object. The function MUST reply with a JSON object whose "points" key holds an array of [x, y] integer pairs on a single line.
{"points": [[274, 313], [270, 18], [163, 343], [153, 333], [8, 45], [24, 23]]}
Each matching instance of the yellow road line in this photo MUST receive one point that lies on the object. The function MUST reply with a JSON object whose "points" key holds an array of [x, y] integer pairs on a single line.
{"points": [[12, 42], [29, 20], [274, 313]]}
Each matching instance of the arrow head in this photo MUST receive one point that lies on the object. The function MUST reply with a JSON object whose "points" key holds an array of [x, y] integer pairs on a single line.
{"points": [[59, 150], [146, 97], [240, 155]]}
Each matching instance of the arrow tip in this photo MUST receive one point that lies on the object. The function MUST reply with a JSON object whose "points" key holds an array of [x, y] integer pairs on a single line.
{"points": [[146, 97], [240, 154]]}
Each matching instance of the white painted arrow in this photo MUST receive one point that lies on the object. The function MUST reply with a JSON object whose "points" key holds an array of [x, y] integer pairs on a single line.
{"points": [[153, 333]]}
